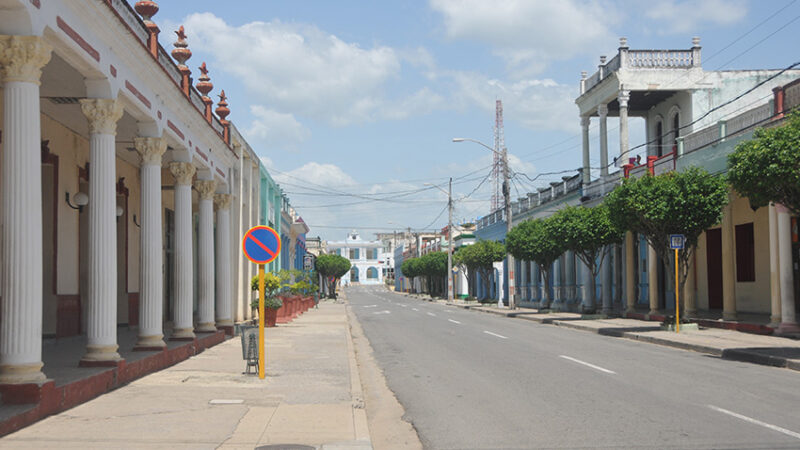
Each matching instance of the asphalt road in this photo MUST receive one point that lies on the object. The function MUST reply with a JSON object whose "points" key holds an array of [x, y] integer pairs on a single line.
{"points": [[474, 380]]}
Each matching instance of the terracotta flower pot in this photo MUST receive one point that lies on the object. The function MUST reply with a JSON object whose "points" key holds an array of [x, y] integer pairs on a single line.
{"points": [[271, 316]]}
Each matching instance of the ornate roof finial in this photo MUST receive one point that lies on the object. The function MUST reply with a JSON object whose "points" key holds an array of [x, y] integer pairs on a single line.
{"points": [[181, 53], [204, 84], [222, 106], [146, 9]]}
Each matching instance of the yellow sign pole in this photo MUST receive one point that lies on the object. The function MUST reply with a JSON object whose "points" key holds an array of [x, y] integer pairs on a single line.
{"points": [[677, 297], [261, 353]]}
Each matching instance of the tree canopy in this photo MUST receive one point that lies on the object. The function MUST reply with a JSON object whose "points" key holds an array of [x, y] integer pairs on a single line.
{"points": [[587, 232], [480, 256], [685, 203], [332, 266], [537, 240], [767, 168]]}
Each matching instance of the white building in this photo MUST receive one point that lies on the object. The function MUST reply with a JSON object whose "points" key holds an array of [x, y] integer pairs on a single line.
{"points": [[366, 257]]}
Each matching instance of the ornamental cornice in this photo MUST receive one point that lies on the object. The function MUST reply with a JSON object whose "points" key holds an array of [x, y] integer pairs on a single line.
{"points": [[102, 113], [206, 188], [183, 172], [22, 58], [151, 149], [223, 201]]}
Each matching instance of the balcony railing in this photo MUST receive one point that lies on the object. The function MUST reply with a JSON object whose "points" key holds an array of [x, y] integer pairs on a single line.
{"points": [[643, 59]]}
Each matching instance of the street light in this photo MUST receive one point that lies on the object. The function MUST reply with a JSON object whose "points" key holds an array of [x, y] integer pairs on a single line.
{"points": [[512, 304], [449, 193]]}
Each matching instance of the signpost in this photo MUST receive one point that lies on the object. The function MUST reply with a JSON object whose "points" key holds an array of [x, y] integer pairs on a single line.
{"points": [[676, 242], [261, 245]]}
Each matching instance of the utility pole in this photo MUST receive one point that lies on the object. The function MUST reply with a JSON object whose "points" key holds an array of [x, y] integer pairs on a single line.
{"points": [[512, 304], [450, 240]]}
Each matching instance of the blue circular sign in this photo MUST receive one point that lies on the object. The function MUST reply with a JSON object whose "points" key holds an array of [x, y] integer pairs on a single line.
{"points": [[261, 244]]}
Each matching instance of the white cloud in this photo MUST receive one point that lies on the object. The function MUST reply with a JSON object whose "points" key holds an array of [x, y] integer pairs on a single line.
{"points": [[299, 68], [686, 16], [539, 104], [276, 130], [529, 34]]}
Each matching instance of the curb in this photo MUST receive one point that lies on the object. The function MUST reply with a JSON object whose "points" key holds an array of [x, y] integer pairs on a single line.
{"points": [[360, 423]]}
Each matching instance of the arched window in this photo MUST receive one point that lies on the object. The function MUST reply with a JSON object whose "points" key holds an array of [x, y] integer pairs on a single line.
{"points": [[372, 273], [354, 274]]}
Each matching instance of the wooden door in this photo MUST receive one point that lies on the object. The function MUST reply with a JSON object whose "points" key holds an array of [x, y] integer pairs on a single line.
{"points": [[714, 263]]}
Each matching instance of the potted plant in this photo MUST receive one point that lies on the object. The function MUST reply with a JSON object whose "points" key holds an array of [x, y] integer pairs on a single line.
{"points": [[272, 284]]}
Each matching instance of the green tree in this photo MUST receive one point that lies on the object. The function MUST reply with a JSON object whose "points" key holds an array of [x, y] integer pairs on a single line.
{"points": [[587, 232], [767, 168], [332, 266], [434, 267], [411, 269], [480, 257], [537, 240], [686, 203]]}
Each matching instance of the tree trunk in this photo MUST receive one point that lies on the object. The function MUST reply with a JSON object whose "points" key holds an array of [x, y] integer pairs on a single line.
{"points": [[546, 288]]}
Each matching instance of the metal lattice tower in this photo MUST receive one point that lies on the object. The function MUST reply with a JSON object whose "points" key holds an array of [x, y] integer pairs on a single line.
{"points": [[499, 144]]}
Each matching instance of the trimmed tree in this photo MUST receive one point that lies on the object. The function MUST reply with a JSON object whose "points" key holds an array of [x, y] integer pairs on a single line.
{"points": [[537, 240], [686, 203], [434, 266], [587, 232], [466, 264], [480, 257], [411, 269], [767, 168], [332, 266]]}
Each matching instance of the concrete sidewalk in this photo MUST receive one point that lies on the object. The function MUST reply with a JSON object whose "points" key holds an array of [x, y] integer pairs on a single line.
{"points": [[735, 345], [311, 396]]}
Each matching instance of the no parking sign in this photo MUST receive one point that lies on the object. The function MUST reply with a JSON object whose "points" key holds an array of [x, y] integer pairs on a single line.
{"points": [[261, 244]]}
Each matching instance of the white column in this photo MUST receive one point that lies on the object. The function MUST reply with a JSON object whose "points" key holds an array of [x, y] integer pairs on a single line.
{"points": [[788, 319], [602, 111], [151, 289], [224, 286], [587, 174], [205, 256], [21, 60], [101, 329], [523, 268], [728, 264], [570, 279], [623, 98], [652, 278], [247, 224], [241, 283], [774, 269], [182, 313]]}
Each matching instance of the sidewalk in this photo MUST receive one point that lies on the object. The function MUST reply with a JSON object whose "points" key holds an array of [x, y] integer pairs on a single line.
{"points": [[311, 396], [728, 344]]}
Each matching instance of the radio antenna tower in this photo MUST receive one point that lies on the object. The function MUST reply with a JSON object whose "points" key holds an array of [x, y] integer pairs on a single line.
{"points": [[499, 144]]}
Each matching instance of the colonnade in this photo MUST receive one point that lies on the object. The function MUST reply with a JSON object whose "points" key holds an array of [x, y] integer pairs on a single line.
{"points": [[21, 61]]}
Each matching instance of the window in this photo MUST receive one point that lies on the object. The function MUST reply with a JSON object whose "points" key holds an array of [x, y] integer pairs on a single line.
{"points": [[353, 253], [745, 253], [372, 253], [372, 273]]}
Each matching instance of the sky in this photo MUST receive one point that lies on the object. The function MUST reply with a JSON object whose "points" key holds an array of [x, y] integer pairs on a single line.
{"points": [[353, 105]]}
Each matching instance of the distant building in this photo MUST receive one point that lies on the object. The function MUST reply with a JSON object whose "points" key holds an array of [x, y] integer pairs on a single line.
{"points": [[366, 257]]}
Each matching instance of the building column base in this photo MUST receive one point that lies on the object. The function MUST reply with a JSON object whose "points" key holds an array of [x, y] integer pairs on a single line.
{"points": [[182, 334], [728, 315], [787, 328], [100, 356], [150, 343], [208, 327], [22, 373], [774, 321]]}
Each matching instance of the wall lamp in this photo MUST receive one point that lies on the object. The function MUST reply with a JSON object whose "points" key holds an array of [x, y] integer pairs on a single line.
{"points": [[81, 200]]}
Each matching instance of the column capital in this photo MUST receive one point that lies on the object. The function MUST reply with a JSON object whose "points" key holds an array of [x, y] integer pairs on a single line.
{"points": [[183, 172], [22, 58], [103, 114], [223, 201], [206, 188], [585, 121], [151, 149], [602, 111], [623, 98]]}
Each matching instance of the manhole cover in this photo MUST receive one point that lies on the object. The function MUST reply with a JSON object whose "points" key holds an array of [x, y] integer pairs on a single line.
{"points": [[286, 447]]}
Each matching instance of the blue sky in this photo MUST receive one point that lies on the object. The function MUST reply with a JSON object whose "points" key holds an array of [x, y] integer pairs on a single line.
{"points": [[360, 99]]}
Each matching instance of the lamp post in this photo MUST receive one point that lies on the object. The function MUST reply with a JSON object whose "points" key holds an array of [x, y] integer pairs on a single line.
{"points": [[512, 303], [449, 235]]}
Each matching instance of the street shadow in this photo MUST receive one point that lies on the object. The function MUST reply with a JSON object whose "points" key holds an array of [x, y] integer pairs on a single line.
{"points": [[620, 332], [771, 356]]}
